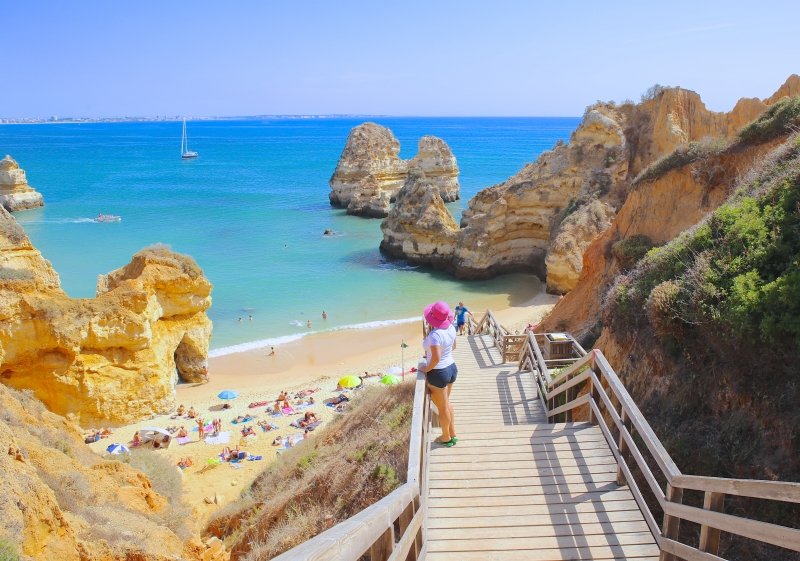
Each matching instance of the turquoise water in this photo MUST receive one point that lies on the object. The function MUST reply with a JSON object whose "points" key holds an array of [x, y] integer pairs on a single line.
{"points": [[251, 210]]}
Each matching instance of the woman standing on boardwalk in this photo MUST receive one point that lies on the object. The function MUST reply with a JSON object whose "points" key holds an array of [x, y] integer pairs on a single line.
{"points": [[440, 367]]}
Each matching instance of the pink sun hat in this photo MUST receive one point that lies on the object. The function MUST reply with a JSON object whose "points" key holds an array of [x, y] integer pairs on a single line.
{"points": [[438, 315]]}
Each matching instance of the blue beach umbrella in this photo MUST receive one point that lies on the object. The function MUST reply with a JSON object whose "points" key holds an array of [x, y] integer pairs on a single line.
{"points": [[228, 394], [117, 449]]}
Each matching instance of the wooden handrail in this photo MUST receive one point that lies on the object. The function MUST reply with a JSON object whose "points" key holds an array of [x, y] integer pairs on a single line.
{"points": [[372, 529], [601, 383]]}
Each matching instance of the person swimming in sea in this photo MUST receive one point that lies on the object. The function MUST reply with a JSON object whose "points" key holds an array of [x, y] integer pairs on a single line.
{"points": [[324, 314]]}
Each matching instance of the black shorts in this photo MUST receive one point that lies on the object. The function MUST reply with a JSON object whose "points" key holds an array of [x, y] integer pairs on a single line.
{"points": [[443, 377]]}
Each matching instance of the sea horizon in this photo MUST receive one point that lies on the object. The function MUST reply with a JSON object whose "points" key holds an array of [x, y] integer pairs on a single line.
{"points": [[252, 209]]}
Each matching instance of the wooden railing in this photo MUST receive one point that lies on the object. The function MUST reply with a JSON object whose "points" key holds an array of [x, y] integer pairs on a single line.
{"points": [[371, 533], [584, 387], [589, 389]]}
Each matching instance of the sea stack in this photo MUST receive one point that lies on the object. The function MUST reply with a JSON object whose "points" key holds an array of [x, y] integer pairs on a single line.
{"points": [[112, 359], [15, 193], [419, 227], [370, 172]]}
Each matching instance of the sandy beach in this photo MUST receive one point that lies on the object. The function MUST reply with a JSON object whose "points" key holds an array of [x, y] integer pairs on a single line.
{"points": [[315, 362]]}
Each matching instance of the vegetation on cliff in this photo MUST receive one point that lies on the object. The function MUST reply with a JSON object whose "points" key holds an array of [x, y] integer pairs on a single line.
{"points": [[357, 460], [705, 332]]}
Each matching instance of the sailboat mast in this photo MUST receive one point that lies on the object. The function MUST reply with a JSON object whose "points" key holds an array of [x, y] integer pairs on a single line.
{"points": [[183, 138]]}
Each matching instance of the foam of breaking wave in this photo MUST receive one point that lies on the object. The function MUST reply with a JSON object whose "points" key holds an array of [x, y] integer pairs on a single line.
{"points": [[276, 341]]}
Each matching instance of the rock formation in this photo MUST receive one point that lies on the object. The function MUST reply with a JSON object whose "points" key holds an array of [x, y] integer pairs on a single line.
{"points": [[15, 193], [420, 229], [370, 171], [544, 217], [58, 500], [114, 358], [437, 162]]}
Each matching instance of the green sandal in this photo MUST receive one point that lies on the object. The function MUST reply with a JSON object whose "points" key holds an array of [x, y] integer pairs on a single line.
{"points": [[454, 440], [450, 443]]}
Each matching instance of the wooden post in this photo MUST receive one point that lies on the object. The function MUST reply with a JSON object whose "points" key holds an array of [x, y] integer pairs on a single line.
{"points": [[623, 446], [419, 537], [672, 524], [382, 549], [709, 537]]}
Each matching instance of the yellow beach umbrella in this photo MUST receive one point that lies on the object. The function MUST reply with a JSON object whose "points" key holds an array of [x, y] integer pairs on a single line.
{"points": [[350, 381], [390, 380]]}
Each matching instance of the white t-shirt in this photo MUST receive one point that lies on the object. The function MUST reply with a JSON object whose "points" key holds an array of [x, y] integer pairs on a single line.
{"points": [[444, 339]]}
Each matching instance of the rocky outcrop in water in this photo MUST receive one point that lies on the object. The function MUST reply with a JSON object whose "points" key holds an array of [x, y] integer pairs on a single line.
{"points": [[419, 227], [544, 217], [15, 193], [111, 359], [370, 172]]}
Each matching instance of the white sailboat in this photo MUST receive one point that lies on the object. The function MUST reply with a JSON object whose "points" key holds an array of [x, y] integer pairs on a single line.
{"points": [[186, 154]]}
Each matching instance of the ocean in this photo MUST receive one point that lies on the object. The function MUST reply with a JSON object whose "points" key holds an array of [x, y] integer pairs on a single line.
{"points": [[252, 210]]}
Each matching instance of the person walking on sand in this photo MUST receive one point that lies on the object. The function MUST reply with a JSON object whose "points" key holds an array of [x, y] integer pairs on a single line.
{"points": [[440, 367], [461, 317]]}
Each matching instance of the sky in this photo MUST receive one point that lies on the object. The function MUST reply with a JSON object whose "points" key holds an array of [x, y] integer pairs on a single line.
{"points": [[435, 57]]}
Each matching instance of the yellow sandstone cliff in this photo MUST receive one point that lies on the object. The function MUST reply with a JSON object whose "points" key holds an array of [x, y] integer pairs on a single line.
{"points": [[545, 217], [59, 501], [111, 359]]}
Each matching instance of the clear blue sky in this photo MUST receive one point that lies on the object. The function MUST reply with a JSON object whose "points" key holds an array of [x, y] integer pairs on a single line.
{"points": [[437, 57]]}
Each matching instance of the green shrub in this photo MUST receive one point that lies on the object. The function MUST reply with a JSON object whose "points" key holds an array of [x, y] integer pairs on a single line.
{"points": [[8, 550], [775, 121], [630, 250], [681, 156], [740, 269]]}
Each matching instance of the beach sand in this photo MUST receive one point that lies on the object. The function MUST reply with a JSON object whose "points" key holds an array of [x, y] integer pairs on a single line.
{"points": [[315, 361]]}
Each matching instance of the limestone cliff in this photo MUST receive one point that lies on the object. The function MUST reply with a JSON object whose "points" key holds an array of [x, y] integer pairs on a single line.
{"points": [[58, 500], [114, 358], [370, 171], [543, 218], [419, 228], [15, 193], [672, 195]]}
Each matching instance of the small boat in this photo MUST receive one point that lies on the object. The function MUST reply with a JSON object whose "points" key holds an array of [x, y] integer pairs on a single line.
{"points": [[108, 218], [186, 154]]}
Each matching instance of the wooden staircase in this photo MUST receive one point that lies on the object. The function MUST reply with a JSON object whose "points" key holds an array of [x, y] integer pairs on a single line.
{"points": [[554, 462], [518, 487]]}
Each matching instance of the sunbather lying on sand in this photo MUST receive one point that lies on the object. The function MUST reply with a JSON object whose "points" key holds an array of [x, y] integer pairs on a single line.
{"points": [[181, 410], [182, 433], [242, 419], [248, 431], [184, 463], [308, 419], [266, 425], [192, 413], [341, 398]]}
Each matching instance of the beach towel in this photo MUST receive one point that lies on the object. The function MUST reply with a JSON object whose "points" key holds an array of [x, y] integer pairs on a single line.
{"points": [[245, 420], [269, 427], [288, 411], [207, 428], [254, 458], [221, 438], [314, 425], [183, 440]]}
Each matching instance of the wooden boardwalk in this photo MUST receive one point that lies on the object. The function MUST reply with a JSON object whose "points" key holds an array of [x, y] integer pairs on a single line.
{"points": [[518, 488]]}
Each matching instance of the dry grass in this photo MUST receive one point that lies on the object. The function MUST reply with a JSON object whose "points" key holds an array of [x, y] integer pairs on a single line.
{"points": [[357, 460]]}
